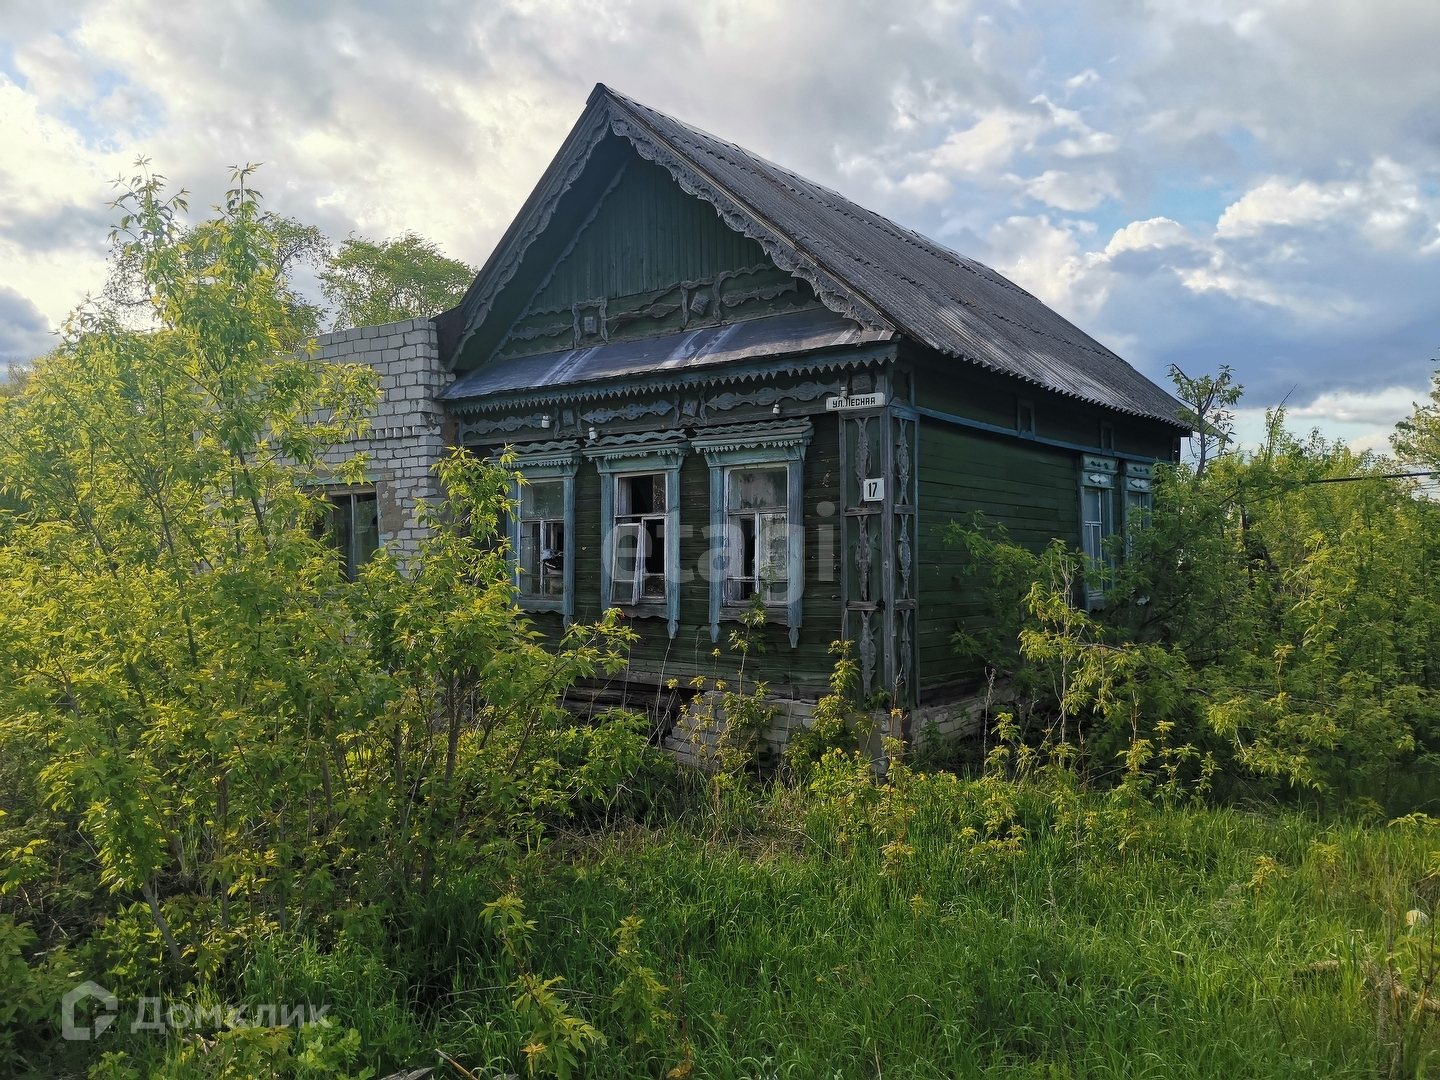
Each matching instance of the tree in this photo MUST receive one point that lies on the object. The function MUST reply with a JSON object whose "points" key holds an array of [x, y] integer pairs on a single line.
{"points": [[1417, 437], [370, 283], [201, 721], [1209, 402]]}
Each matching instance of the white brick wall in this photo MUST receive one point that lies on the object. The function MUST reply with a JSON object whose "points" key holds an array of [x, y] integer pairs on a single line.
{"points": [[407, 434]]}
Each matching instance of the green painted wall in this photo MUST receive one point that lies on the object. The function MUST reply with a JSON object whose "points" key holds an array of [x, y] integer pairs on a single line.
{"points": [[801, 671], [648, 235], [1028, 488], [965, 389], [660, 260]]}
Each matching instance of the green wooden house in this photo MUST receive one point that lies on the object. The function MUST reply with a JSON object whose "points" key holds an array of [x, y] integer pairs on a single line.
{"points": [[724, 381]]}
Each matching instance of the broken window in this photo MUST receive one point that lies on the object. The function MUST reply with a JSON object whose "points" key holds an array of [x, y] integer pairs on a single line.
{"points": [[757, 543], [638, 568], [757, 513], [542, 539], [541, 527]]}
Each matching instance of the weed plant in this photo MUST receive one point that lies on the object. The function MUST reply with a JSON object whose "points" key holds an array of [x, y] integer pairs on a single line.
{"points": [[929, 926]]}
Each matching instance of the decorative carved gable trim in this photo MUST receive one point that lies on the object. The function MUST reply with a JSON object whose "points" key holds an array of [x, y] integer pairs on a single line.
{"points": [[607, 115]]}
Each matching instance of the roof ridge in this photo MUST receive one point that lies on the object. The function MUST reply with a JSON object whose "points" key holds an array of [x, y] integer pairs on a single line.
{"points": [[860, 263]]}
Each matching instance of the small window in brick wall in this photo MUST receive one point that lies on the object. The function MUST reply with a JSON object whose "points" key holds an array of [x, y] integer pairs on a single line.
{"points": [[354, 528]]}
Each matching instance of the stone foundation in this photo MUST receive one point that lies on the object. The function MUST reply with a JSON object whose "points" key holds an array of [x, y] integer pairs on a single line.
{"points": [[696, 738]]}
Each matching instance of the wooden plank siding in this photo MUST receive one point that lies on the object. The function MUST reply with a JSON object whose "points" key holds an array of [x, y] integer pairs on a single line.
{"points": [[647, 235], [1028, 488], [967, 390], [801, 671]]}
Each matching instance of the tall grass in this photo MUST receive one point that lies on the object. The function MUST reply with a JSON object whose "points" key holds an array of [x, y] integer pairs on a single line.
{"points": [[942, 928]]}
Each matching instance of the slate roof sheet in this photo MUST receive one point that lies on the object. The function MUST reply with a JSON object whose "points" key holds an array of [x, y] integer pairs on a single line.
{"points": [[860, 264], [953, 304]]}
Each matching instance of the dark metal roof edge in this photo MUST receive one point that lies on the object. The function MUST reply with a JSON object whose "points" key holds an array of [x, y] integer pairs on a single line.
{"points": [[833, 290], [828, 359], [606, 111], [1074, 395], [768, 234]]}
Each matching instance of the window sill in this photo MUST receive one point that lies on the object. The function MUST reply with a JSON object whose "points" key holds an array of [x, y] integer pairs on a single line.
{"points": [[775, 614], [536, 603], [656, 609]]}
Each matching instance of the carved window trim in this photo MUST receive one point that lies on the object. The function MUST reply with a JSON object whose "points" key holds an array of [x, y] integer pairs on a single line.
{"points": [[548, 462], [757, 445], [1097, 523], [637, 453]]}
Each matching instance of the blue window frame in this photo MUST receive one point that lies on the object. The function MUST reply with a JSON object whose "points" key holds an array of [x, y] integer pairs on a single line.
{"points": [[640, 522], [542, 527], [756, 532]]}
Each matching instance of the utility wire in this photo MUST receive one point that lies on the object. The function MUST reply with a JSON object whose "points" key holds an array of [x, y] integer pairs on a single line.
{"points": [[1370, 476]]}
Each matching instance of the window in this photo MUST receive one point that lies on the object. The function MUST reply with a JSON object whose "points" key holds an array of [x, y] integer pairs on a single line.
{"points": [[757, 543], [638, 565], [640, 521], [757, 506], [542, 539], [1107, 436], [1025, 417], [542, 527], [1138, 498], [354, 528], [1097, 523]]}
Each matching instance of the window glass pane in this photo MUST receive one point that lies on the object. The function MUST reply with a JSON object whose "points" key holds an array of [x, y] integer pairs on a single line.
{"points": [[552, 558], [751, 489], [341, 523], [543, 499], [773, 549], [624, 566], [367, 528], [636, 495], [529, 556]]}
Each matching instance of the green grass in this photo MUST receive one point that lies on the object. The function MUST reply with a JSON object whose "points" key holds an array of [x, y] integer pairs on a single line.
{"points": [[797, 947]]}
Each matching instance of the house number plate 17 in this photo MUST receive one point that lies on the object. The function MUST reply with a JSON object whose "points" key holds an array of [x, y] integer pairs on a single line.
{"points": [[873, 490]]}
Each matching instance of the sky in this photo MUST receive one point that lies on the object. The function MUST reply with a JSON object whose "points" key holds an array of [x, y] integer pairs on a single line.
{"points": [[1194, 182]]}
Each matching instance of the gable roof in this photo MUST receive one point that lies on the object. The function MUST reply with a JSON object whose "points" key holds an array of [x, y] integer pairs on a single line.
{"points": [[861, 265]]}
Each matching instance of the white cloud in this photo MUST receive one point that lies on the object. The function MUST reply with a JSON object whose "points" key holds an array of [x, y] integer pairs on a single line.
{"points": [[991, 143], [1047, 259], [1363, 419], [1071, 191], [1316, 119], [1152, 234], [1374, 407], [1384, 205]]}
